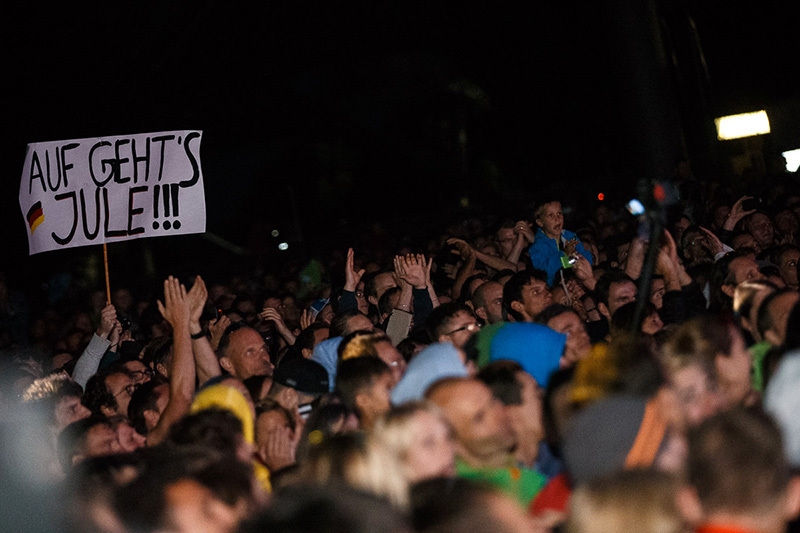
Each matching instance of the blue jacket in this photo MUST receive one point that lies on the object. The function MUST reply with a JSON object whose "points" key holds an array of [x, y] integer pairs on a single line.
{"points": [[546, 254]]}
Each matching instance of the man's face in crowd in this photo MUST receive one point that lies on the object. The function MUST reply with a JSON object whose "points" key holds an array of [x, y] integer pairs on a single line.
{"points": [[121, 385], [138, 371], [535, 298], [526, 418], [551, 220], [101, 439], [247, 355], [697, 249], [128, 438], [745, 269], [383, 282], [492, 293], [480, 422], [745, 240], [376, 400], [761, 228], [460, 328], [506, 240], [619, 294], [393, 358], [578, 342], [69, 410]]}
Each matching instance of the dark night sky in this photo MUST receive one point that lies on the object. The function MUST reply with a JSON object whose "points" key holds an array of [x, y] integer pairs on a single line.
{"points": [[358, 106]]}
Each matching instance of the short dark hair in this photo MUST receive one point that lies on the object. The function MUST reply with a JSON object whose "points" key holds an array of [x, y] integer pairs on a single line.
{"points": [[441, 315], [268, 405], [552, 311], [213, 428], [306, 338], [356, 375], [512, 290], [720, 276], [143, 399], [97, 395], [73, 437], [603, 285], [501, 377], [385, 302], [339, 322]]}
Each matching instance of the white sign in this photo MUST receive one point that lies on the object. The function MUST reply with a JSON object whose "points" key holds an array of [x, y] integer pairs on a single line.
{"points": [[94, 191]]}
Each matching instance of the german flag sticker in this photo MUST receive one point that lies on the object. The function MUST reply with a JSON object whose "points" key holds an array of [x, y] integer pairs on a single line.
{"points": [[35, 216]]}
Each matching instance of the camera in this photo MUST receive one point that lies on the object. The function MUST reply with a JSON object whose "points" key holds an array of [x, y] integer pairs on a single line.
{"points": [[752, 204]]}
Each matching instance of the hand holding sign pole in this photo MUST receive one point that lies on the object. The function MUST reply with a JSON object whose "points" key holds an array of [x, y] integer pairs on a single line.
{"points": [[99, 190]]}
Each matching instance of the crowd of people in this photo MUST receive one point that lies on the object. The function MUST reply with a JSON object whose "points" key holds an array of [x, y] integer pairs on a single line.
{"points": [[551, 373]]}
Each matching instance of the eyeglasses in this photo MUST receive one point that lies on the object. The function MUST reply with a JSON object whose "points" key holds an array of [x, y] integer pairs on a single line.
{"points": [[140, 374], [130, 389], [473, 326]]}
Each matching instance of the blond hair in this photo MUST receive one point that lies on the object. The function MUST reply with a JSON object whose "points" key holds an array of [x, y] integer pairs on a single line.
{"points": [[394, 431]]}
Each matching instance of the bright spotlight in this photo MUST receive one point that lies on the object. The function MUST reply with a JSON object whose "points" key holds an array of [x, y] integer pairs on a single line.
{"points": [[283, 246], [792, 158], [744, 125]]}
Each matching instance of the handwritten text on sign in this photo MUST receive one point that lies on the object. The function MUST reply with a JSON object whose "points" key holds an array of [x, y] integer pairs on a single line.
{"points": [[91, 191]]}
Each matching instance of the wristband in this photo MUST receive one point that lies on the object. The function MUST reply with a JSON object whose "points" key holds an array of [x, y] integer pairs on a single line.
{"points": [[199, 335]]}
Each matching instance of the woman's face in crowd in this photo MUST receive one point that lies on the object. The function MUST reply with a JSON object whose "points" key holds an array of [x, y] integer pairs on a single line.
{"points": [[432, 453]]}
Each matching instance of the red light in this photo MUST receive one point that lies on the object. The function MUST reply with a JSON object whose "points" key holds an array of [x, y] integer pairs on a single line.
{"points": [[601, 196], [659, 193]]}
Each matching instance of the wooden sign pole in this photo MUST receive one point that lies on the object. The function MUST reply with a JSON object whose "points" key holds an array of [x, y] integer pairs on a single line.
{"points": [[105, 266]]}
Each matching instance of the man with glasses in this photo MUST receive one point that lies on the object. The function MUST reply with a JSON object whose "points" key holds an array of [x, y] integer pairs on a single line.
{"points": [[109, 393], [452, 322]]}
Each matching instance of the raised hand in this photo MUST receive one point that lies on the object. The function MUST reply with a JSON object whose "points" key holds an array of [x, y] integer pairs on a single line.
{"points": [[217, 329], [462, 246], [108, 318], [584, 272], [196, 299], [714, 244], [115, 335], [306, 319], [279, 450], [571, 246], [411, 270], [174, 308], [523, 228], [737, 213], [351, 276]]}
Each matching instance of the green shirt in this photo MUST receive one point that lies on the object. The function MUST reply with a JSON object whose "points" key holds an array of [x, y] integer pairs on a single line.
{"points": [[759, 351], [521, 483]]}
